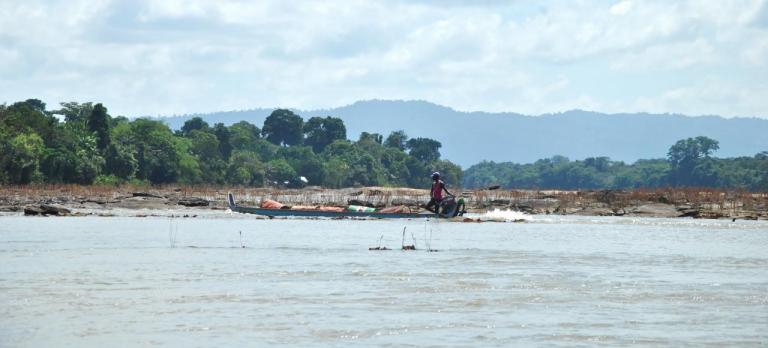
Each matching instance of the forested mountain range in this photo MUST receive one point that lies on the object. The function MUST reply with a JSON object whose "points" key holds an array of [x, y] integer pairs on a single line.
{"points": [[471, 137]]}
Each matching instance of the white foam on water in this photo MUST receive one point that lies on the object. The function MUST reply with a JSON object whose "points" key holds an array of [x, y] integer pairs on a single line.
{"points": [[506, 215]]}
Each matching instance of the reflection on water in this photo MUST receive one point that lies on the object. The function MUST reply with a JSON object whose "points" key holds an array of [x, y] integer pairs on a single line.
{"points": [[93, 282]]}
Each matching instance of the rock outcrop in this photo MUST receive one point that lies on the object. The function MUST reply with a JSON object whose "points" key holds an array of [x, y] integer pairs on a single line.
{"points": [[46, 209], [654, 209], [193, 202]]}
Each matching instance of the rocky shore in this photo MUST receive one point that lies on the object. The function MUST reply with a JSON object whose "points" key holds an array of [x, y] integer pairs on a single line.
{"points": [[105, 201]]}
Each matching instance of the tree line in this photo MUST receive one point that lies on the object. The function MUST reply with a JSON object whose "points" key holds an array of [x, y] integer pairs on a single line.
{"points": [[82, 143], [689, 163]]}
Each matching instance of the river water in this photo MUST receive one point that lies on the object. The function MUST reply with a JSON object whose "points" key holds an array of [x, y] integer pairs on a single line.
{"points": [[127, 281]]}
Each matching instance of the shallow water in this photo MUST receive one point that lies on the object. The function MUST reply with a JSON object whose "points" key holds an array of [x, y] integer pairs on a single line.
{"points": [[96, 282]]}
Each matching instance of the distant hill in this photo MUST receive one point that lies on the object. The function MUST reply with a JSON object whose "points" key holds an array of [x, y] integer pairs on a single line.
{"points": [[470, 137]]}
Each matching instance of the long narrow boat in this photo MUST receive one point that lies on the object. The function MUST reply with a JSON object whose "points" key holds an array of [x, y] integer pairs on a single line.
{"points": [[317, 213]]}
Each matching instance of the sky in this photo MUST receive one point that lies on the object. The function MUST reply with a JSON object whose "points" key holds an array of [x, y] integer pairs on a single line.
{"points": [[698, 57]]}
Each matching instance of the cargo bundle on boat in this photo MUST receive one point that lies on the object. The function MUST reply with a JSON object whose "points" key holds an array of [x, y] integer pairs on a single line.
{"points": [[272, 208]]}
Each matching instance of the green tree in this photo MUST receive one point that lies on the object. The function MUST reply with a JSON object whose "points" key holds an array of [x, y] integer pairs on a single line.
{"points": [[74, 112], [305, 163], [25, 151], [485, 174], [206, 147], [116, 121], [35, 104], [59, 162], [520, 176], [706, 173], [189, 168], [553, 172], [361, 167], [397, 139], [601, 164], [5, 151], [58, 165], [420, 174], [688, 154], [370, 137], [98, 123], [224, 136], [29, 117], [370, 143], [339, 148], [394, 161], [243, 136], [266, 150], [245, 168], [684, 153], [320, 132], [424, 149], [120, 161], [761, 167], [337, 172], [195, 123], [339, 156], [365, 171], [642, 174], [279, 171], [90, 161], [283, 127], [157, 152]]}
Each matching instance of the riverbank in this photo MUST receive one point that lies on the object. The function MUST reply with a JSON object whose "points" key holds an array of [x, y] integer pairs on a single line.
{"points": [[105, 201]]}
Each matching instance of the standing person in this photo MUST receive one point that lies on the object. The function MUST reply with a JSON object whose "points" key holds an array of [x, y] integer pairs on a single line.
{"points": [[436, 193]]}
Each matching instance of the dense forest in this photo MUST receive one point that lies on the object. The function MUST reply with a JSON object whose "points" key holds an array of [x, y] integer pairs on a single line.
{"points": [[689, 163], [83, 144]]}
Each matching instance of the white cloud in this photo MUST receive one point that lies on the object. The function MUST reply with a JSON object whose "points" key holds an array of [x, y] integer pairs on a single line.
{"points": [[709, 99], [622, 7], [756, 54], [8, 58], [149, 57], [678, 55], [47, 23]]}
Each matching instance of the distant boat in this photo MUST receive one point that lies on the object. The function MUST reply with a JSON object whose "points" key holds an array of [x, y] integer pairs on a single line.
{"points": [[319, 213]]}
